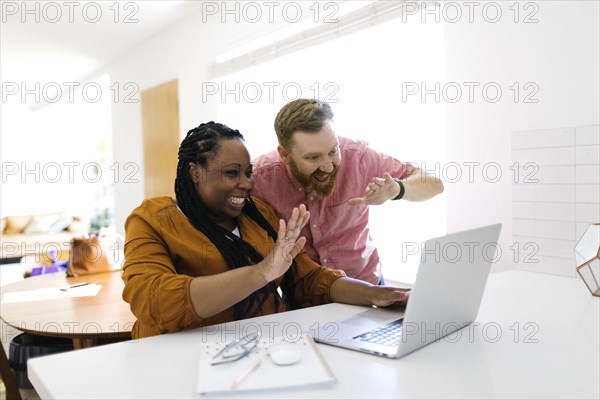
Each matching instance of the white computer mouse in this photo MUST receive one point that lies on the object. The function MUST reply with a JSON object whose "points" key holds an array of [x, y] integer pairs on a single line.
{"points": [[285, 354]]}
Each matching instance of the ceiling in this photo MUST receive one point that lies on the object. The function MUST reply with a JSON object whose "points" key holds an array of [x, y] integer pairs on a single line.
{"points": [[56, 42]]}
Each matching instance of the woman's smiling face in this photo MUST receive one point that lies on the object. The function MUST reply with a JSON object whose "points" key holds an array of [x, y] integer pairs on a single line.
{"points": [[225, 182]]}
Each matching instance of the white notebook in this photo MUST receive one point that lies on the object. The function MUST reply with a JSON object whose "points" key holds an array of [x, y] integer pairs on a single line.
{"points": [[311, 369]]}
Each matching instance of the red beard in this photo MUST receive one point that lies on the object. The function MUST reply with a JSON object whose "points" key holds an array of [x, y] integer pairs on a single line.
{"points": [[311, 184]]}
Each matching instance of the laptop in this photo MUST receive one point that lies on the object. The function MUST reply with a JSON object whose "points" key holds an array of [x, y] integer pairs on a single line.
{"points": [[445, 297]]}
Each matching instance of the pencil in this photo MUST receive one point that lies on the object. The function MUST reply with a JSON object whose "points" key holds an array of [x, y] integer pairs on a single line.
{"points": [[74, 286], [245, 374]]}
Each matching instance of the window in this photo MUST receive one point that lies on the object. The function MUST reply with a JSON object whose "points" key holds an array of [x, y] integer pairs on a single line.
{"points": [[56, 158]]}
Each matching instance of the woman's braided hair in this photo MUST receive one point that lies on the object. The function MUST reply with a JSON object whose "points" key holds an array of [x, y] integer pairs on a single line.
{"points": [[200, 146]]}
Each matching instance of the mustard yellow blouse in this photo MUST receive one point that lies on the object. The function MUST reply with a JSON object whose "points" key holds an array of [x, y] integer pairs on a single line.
{"points": [[164, 251]]}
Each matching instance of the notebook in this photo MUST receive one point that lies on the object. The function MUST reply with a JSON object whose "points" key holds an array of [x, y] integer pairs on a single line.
{"points": [[444, 298], [310, 370]]}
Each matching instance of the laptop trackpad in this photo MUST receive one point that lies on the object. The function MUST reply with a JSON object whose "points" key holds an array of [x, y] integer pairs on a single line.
{"points": [[371, 317]]}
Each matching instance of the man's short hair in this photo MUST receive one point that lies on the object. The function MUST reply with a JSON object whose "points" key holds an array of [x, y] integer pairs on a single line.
{"points": [[307, 115]]}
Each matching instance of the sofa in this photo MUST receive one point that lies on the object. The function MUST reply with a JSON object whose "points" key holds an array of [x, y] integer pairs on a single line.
{"points": [[34, 236]]}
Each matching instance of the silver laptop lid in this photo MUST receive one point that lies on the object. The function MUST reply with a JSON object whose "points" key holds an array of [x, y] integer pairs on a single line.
{"points": [[450, 283]]}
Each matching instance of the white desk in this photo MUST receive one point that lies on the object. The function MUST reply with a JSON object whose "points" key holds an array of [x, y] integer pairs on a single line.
{"points": [[537, 336]]}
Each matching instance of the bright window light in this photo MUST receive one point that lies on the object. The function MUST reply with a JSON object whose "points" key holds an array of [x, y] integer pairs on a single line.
{"points": [[335, 9], [368, 106]]}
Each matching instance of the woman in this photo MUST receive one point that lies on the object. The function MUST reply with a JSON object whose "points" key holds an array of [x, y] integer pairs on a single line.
{"points": [[214, 254]]}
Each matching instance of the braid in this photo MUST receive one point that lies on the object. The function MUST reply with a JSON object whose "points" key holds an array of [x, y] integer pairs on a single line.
{"points": [[200, 146]]}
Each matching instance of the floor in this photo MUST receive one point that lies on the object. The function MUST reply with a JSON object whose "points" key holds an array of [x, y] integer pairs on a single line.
{"points": [[7, 335], [25, 393], [11, 273]]}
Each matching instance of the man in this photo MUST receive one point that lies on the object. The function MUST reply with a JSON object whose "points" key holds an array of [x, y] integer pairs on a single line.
{"points": [[337, 179]]}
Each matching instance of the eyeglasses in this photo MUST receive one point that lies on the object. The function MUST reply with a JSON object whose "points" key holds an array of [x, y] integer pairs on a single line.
{"points": [[237, 349]]}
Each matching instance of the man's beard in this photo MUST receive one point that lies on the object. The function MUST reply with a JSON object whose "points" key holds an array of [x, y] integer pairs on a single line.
{"points": [[311, 185]]}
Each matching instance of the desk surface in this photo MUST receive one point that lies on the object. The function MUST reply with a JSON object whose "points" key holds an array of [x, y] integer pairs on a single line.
{"points": [[536, 336], [103, 315]]}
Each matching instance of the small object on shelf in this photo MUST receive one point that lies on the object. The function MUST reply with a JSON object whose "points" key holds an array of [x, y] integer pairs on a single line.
{"points": [[587, 257]]}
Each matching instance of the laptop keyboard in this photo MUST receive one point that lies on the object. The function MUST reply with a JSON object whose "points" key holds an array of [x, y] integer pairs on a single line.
{"points": [[387, 335]]}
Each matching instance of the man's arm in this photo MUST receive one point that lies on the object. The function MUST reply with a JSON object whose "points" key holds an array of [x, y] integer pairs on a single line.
{"points": [[418, 186], [421, 186]]}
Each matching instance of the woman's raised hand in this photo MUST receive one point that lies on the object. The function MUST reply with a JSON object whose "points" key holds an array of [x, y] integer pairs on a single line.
{"points": [[289, 244]]}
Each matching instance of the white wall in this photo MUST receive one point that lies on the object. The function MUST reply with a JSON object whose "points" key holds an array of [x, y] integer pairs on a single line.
{"points": [[559, 54], [183, 52], [559, 196]]}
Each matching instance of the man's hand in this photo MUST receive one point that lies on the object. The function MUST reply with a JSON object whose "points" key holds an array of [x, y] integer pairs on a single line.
{"points": [[378, 191]]}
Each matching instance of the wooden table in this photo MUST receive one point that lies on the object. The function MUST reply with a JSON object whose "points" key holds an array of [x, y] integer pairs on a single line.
{"points": [[82, 319]]}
